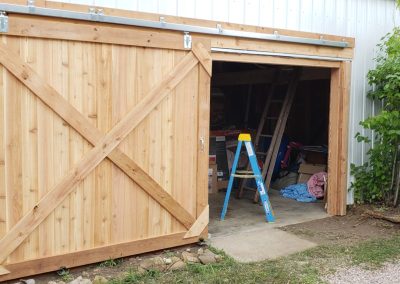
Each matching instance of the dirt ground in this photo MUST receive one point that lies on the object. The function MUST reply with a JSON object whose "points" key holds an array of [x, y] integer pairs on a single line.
{"points": [[349, 229]]}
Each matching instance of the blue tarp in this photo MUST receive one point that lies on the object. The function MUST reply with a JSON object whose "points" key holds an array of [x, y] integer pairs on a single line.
{"points": [[299, 192]]}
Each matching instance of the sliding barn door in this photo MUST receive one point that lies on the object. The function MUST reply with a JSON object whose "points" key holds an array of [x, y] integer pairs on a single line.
{"points": [[103, 151]]}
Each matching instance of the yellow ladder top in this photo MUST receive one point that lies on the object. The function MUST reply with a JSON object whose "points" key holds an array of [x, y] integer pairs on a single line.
{"points": [[244, 137]]}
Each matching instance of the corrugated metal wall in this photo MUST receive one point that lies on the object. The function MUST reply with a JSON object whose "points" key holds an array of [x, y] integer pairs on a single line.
{"points": [[366, 20]]}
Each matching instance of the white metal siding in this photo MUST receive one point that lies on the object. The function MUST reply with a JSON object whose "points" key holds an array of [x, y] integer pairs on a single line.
{"points": [[365, 20]]}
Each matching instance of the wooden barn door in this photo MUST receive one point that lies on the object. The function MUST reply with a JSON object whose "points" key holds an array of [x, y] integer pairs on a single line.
{"points": [[105, 151]]}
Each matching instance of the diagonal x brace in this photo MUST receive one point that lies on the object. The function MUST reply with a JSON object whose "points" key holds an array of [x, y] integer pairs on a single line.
{"points": [[105, 145]]}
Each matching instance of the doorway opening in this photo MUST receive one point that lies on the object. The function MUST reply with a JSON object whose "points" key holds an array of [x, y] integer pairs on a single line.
{"points": [[297, 184]]}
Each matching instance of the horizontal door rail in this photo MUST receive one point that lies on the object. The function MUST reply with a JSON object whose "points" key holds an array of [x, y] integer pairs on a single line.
{"points": [[96, 15]]}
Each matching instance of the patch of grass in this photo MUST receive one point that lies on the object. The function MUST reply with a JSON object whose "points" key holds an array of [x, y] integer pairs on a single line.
{"points": [[168, 253], [111, 262], [305, 267], [65, 275], [376, 252]]}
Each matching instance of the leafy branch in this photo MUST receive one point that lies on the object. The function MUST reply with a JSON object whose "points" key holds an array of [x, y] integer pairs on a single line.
{"points": [[375, 180]]}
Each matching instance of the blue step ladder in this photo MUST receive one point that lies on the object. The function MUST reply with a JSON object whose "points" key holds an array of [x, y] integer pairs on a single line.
{"points": [[246, 139]]}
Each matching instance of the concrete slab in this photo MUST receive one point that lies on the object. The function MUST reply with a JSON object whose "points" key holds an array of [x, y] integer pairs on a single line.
{"points": [[244, 215], [246, 236], [260, 244]]}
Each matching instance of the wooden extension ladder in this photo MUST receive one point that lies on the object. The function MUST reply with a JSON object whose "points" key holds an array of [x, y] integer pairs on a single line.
{"points": [[276, 137]]}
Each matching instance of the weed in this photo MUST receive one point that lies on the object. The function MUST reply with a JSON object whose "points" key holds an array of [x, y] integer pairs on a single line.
{"points": [[65, 275], [111, 262]]}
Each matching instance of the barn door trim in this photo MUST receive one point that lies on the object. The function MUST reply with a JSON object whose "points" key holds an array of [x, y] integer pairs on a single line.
{"points": [[200, 224], [104, 145]]}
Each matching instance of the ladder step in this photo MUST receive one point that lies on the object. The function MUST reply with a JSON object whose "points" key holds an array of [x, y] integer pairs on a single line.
{"points": [[265, 135], [261, 153]]}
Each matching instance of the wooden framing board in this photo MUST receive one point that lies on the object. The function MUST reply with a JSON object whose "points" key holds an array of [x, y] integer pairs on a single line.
{"points": [[261, 59], [338, 135], [53, 28], [52, 263], [203, 138]]}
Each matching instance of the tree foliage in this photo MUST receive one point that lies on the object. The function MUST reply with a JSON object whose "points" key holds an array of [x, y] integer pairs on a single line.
{"points": [[373, 180]]}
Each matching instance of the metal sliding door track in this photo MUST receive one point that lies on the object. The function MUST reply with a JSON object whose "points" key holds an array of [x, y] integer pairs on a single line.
{"points": [[96, 15], [278, 54]]}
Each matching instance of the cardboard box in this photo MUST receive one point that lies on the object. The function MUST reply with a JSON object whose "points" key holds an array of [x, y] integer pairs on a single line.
{"points": [[311, 168], [303, 178], [314, 157], [222, 184], [212, 159], [212, 179], [218, 148]]}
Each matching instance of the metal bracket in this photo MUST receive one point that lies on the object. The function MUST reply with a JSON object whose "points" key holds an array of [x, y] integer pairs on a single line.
{"points": [[96, 13], [187, 40], [31, 5], [162, 21], [3, 22], [219, 28]]}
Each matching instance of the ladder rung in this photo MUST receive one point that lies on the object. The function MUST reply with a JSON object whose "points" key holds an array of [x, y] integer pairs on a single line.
{"points": [[272, 117], [265, 135], [261, 153], [245, 176]]}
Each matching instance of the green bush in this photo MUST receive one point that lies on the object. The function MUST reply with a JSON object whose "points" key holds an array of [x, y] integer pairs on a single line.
{"points": [[373, 179]]}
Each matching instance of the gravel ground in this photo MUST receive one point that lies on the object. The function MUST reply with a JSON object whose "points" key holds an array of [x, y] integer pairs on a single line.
{"points": [[388, 274]]}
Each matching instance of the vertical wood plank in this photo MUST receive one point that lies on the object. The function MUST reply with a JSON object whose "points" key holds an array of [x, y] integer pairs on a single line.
{"points": [[344, 121], [186, 144], [143, 84], [75, 145], [29, 151], [103, 178], [60, 148], [203, 135], [127, 64], [80, 217], [333, 143], [120, 184], [176, 140], [13, 155], [165, 146], [2, 155], [45, 150]]}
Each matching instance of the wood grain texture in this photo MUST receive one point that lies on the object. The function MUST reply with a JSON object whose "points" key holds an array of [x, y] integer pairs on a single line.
{"points": [[200, 224], [261, 59], [103, 147], [333, 143], [3, 270], [3, 212], [75, 119], [52, 263], [346, 79], [55, 28], [203, 56], [203, 140]]}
